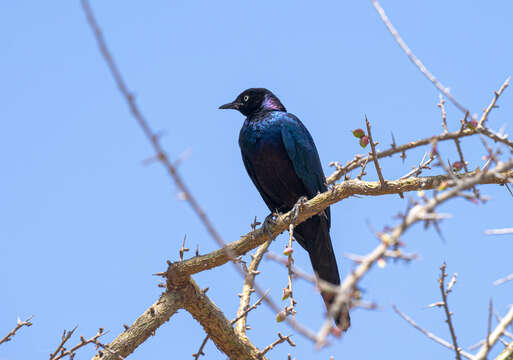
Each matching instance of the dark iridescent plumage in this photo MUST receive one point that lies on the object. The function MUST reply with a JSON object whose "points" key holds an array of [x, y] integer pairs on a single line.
{"points": [[281, 158]]}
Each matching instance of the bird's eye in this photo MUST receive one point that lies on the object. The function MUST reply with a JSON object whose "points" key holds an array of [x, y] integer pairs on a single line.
{"points": [[246, 98]]}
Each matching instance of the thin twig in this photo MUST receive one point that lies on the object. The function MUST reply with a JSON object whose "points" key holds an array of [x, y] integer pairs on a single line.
{"points": [[280, 340], [489, 328], [444, 114], [499, 231], [429, 334], [445, 305], [66, 335], [503, 280], [416, 171], [416, 60], [71, 352], [287, 292], [150, 135], [373, 154], [247, 287], [492, 105], [495, 334], [19, 325]]}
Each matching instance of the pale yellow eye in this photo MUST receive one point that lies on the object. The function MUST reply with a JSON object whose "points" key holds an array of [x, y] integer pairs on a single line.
{"points": [[246, 98]]}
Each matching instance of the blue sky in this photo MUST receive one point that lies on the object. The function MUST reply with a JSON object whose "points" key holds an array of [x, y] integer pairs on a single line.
{"points": [[84, 223]]}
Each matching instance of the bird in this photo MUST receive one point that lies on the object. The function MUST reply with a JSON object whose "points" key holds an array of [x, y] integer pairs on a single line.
{"points": [[281, 159]]}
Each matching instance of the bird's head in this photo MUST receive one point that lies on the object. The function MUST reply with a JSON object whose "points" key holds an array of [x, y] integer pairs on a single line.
{"points": [[253, 100]]}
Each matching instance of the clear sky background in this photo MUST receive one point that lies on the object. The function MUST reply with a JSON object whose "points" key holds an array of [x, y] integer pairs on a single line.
{"points": [[84, 224]]}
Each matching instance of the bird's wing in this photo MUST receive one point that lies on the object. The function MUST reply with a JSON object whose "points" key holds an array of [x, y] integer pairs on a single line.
{"points": [[302, 152], [272, 205]]}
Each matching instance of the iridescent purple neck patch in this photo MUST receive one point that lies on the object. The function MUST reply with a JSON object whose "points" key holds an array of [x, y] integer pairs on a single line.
{"points": [[272, 103]]}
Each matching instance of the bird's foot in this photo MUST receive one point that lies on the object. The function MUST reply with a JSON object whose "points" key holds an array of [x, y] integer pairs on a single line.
{"points": [[297, 208], [268, 222]]}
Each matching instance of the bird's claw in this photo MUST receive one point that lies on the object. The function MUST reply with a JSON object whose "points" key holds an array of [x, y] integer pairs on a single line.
{"points": [[297, 208], [268, 222]]}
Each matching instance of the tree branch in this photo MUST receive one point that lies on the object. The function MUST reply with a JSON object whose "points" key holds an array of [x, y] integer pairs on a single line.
{"points": [[19, 325], [314, 206], [416, 214], [145, 326], [217, 325], [494, 336], [415, 59], [360, 160], [445, 305], [247, 288], [429, 334]]}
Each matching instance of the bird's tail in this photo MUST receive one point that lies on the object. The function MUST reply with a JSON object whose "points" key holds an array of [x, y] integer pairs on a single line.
{"points": [[314, 236]]}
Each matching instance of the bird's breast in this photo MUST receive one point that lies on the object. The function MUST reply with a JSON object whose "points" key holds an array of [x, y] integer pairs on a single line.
{"points": [[262, 146]]}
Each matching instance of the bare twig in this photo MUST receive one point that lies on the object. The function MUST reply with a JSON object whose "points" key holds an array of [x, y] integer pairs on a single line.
{"points": [[390, 254], [61, 352], [499, 231], [362, 171], [280, 340], [444, 114], [391, 239], [359, 160], [66, 335], [492, 105], [503, 280], [489, 328], [394, 149], [416, 171], [429, 334], [247, 288], [445, 305], [150, 135], [295, 270], [416, 60], [373, 154], [287, 292], [507, 353], [494, 336], [19, 325], [183, 249]]}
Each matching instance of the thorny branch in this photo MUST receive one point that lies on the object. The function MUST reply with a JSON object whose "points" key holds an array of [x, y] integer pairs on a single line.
{"points": [[315, 205], [445, 305], [62, 352], [182, 291], [390, 239], [239, 317], [247, 288], [359, 160], [154, 139], [162, 157]]}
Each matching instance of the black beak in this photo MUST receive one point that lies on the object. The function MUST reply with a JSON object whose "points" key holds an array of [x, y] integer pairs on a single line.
{"points": [[233, 105]]}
